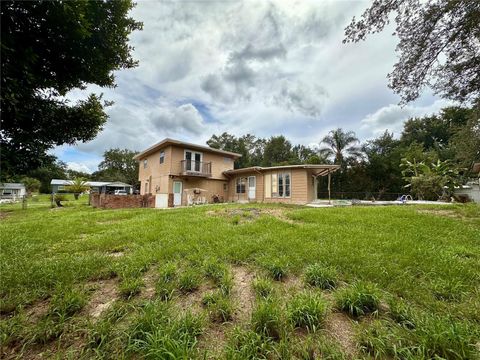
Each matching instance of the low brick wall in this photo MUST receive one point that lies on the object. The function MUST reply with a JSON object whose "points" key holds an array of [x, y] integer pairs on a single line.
{"points": [[108, 201]]}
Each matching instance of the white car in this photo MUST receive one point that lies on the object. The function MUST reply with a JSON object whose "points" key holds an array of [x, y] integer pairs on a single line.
{"points": [[120, 192]]}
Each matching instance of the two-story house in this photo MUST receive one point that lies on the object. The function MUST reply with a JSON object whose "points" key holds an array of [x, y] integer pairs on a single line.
{"points": [[173, 171]]}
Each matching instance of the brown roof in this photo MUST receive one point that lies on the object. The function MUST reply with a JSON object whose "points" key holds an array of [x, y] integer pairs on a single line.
{"points": [[322, 169], [167, 141]]}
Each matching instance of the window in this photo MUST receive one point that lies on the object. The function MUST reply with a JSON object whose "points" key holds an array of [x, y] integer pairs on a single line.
{"points": [[61, 187], [274, 185], [281, 185], [162, 157], [226, 160], [145, 163], [240, 182], [225, 187], [193, 160]]}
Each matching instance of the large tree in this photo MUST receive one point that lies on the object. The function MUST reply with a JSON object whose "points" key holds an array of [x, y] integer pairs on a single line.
{"points": [[278, 151], [118, 165], [47, 49], [438, 45], [340, 145]]}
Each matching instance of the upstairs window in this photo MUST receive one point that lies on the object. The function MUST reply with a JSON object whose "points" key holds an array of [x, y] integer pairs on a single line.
{"points": [[162, 157], [145, 163]]}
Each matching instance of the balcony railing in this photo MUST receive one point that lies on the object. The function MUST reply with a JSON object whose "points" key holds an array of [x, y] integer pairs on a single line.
{"points": [[196, 168]]}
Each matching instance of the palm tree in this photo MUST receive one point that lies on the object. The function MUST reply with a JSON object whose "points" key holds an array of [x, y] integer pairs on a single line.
{"points": [[339, 144], [78, 186]]}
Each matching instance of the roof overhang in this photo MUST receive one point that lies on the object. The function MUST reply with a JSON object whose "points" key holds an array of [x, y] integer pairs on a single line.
{"points": [[168, 141], [318, 170]]}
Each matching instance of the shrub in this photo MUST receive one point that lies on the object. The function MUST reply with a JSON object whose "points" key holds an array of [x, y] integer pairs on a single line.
{"points": [[263, 287], [307, 310], [321, 277], [130, 287], [358, 299], [266, 320], [189, 281]]}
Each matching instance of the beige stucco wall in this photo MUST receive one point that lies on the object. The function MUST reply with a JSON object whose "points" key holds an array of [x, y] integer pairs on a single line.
{"points": [[161, 176], [301, 187]]}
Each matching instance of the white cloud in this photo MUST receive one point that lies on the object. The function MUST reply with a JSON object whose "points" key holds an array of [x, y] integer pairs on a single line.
{"points": [[78, 167], [393, 116], [259, 67]]}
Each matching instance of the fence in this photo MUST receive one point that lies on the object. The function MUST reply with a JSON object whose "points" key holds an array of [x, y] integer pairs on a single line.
{"points": [[43, 201], [367, 195]]}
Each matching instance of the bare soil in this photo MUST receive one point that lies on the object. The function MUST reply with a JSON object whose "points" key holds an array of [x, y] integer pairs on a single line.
{"points": [[339, 326], [242, 292], [104, 295]]}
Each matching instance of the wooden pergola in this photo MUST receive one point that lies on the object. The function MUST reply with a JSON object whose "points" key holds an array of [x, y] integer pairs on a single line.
{"points": [[326, 171]]}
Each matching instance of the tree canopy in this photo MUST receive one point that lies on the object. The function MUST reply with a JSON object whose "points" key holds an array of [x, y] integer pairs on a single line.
{"points": [[438, 45], [118, 165], [47, 49]]}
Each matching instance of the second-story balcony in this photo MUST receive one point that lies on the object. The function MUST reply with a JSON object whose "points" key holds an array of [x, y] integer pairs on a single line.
{"points": [[196, 168]]}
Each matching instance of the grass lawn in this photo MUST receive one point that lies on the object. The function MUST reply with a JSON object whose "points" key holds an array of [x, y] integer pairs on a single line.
{"points": [[240, 282]]}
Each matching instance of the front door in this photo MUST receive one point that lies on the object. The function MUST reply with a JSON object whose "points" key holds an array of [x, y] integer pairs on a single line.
{"points": [[251, 187], [177, 193]]}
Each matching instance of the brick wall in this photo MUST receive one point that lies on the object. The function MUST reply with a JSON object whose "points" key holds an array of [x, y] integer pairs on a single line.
{"points": [[108, 201]]}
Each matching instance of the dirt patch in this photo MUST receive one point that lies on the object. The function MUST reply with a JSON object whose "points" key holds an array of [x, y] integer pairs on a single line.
{"points": [[38, 310], [244, 215], [213, 340], [149, 279], [4, 215], [105, 293], [116, 254], [242, 292], [279, 213], [339, 326], [292, 284], [445, 213]]}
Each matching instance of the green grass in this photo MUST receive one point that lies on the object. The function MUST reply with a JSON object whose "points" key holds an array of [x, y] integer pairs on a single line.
{"points": [[358, 299], [424, 266]]}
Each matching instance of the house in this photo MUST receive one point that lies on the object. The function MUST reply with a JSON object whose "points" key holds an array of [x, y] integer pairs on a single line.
{"points": [[102, 187], [181, 173], [12, 190]]}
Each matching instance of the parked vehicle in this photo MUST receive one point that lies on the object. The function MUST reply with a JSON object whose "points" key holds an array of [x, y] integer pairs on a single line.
{"points": [[120, 192]]}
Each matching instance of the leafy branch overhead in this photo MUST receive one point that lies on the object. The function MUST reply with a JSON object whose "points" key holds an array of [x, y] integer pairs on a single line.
{"points": [[438, 45], [49, 48]]}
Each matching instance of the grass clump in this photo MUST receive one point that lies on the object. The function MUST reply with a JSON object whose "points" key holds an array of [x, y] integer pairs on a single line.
{"points": [[321, 276], [66, 302], [307, 310], [165, 286], [277, 269], [219, 274], [129, 287], [248, 344], [189, 281], [219, 307], [434, 337], [263, 287], [267, 320], [156, 334], [358, 299]]}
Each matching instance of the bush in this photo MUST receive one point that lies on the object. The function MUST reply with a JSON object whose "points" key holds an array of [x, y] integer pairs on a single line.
{"points": [[358, 299], [307, 310], [266, 320], [321, 277]]}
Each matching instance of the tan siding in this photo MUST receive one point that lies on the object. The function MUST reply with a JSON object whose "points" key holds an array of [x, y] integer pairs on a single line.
{"points": [[158, 172], [299, 193], [268, 186]]}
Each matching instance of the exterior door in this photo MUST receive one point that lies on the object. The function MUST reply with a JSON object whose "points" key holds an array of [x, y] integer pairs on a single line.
{"points": [[177, 193], [251, 187]]}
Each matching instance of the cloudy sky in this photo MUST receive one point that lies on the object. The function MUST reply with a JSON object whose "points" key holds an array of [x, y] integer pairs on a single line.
{"points": [[259, 67]]}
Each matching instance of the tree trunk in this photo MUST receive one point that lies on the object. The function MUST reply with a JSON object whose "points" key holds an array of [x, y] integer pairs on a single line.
{"points": [[76, 196]]}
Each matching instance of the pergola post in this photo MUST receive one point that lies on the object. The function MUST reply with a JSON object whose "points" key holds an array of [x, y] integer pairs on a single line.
{"points": [[329, 199]]}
